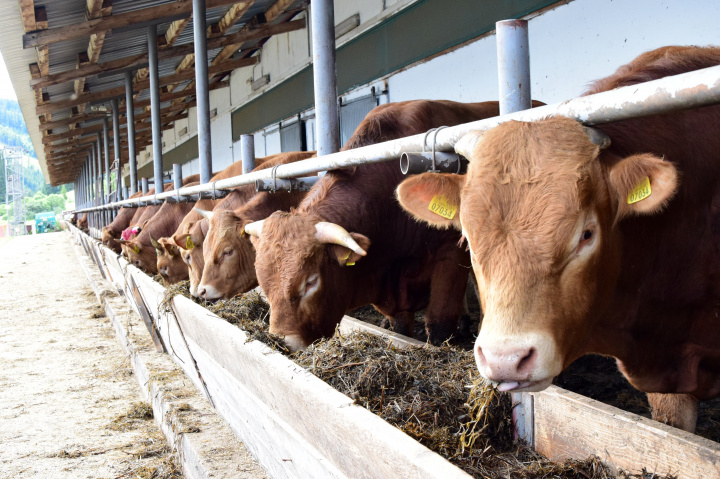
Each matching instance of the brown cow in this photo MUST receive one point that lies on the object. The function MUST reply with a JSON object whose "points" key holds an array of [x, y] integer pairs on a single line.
{"points": [[112, 232], [596, 241], [313, 263], [170, 263], [264, 203], [145, 213], [142, 249]]}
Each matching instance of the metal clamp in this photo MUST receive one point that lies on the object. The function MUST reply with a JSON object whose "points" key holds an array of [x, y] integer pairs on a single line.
{"points": [[434, 143], [273, 174]]}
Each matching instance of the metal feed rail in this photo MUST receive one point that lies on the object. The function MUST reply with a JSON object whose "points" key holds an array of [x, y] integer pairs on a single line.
{"points": [[679, 92]]}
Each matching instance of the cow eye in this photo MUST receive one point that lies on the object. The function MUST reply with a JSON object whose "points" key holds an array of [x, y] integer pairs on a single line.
{"points": [[187, 259], [228, 252], [587, 234]]}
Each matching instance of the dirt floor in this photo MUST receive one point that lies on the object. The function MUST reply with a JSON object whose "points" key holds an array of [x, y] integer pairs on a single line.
{"points": [[69, 404]]}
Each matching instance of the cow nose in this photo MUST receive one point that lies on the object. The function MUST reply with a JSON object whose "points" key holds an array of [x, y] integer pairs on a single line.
{"points": [[507, 364], [202, 293]]}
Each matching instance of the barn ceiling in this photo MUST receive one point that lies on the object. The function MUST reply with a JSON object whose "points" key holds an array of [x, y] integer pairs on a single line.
{"points": [[67, 60]]}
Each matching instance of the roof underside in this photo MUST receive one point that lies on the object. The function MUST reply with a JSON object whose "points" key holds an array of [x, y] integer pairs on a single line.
{"points": [[77, 53]]}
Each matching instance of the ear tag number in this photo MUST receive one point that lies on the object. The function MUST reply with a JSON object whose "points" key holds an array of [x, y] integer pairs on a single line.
{"points": [[641, 191], [442, 207], [189, 244]]}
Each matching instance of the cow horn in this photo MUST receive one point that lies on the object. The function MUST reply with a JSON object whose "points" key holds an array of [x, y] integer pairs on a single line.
{"points": [[255, 228], [204, 213], [466, 144], [597, 137], [155, 244], [336, 234]]}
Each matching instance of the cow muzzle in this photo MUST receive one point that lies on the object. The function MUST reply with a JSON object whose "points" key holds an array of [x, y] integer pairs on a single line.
{"points": [[295, 342], [525, 363], [208, 292]]}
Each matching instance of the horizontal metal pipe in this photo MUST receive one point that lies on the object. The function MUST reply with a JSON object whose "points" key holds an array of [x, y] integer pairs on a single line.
{"points": [[420, 162], [290, 184], [679, 92]]}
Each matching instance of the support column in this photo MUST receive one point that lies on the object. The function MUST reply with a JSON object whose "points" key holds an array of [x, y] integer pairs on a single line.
{"points": [[202, 92], [513, 53], [106, 148], [144, 183], [116, 147], [130, 107], [247, 153], [327, 124], [93, 176], [101, 174], [177, 176], [155, 107]]}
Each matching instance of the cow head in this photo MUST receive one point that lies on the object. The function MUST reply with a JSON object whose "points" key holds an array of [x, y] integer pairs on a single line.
{"points": [[229, 257], [302, 266], [140, 255], [109, 239], [540, 212], [170, 264], [190, 245]]}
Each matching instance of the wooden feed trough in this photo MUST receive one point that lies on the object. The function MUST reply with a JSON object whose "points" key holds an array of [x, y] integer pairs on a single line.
{"points": [[296, 425]]}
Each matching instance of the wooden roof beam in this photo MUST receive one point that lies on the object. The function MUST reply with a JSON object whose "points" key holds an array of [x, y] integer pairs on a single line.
{"points": [[165, 53], [119, 91], [128, 19]]}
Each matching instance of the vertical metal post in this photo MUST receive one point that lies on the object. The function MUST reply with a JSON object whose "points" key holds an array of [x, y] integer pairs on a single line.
{"points": [[513, 52], [130, 107], [247, 153], [101, 173], [327, 124], [155, 107], [177, 176], [116, 147], [106, 147], [202, 93], [144, 183], [126, 192]]}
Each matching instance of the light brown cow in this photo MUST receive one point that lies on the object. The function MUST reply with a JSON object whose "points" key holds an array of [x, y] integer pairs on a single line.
{"points": [[235, 273], [596, 241], [112, 232], [170, 262]]}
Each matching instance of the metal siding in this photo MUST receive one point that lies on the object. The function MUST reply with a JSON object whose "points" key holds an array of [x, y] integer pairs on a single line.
{"points": [[418, 32], [291, 137], [353, 113]]}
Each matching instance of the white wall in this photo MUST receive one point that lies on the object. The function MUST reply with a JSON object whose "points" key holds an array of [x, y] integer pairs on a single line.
{"points": [[570, 46]]}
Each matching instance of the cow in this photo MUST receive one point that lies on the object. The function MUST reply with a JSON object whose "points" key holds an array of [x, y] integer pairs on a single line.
{"points": [[349, 243], [145, 213], [192, 241], [112, 232], [170, 262], [142, 249], [600, 240], [82, 222]]}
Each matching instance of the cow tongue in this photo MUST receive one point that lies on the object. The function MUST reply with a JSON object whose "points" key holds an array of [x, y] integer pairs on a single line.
{"points": [[502, 387]]}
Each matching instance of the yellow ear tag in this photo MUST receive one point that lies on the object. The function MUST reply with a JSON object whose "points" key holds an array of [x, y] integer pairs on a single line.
{"points": [[640, 192], [136, 249], [442, 207], [189, 244], [348, 257]]}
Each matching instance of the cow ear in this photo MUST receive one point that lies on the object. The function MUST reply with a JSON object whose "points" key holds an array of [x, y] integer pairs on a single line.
{"points": [[642, 184], [188, 226], [344, 255], [433, 198], [184, 241]]}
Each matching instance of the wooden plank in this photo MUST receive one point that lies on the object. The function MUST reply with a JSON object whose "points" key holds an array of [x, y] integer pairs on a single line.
{"points": [[341, 430], [27, 11], [147, 318], [163, 54], [87, 28], [118, 91], [620, 439]]}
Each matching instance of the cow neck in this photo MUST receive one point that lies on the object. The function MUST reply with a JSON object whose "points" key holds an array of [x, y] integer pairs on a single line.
{"points": [[361, 200], [165, 222]]}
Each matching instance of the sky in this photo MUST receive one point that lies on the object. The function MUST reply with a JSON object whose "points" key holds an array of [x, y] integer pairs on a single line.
{"points": [[6, 88]]}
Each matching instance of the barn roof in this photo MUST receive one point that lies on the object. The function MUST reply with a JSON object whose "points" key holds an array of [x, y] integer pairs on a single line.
{"points": [[67, 60]]}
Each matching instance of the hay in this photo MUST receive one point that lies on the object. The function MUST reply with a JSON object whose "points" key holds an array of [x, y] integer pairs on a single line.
{"points": [[136, 416], [433, 394]]}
